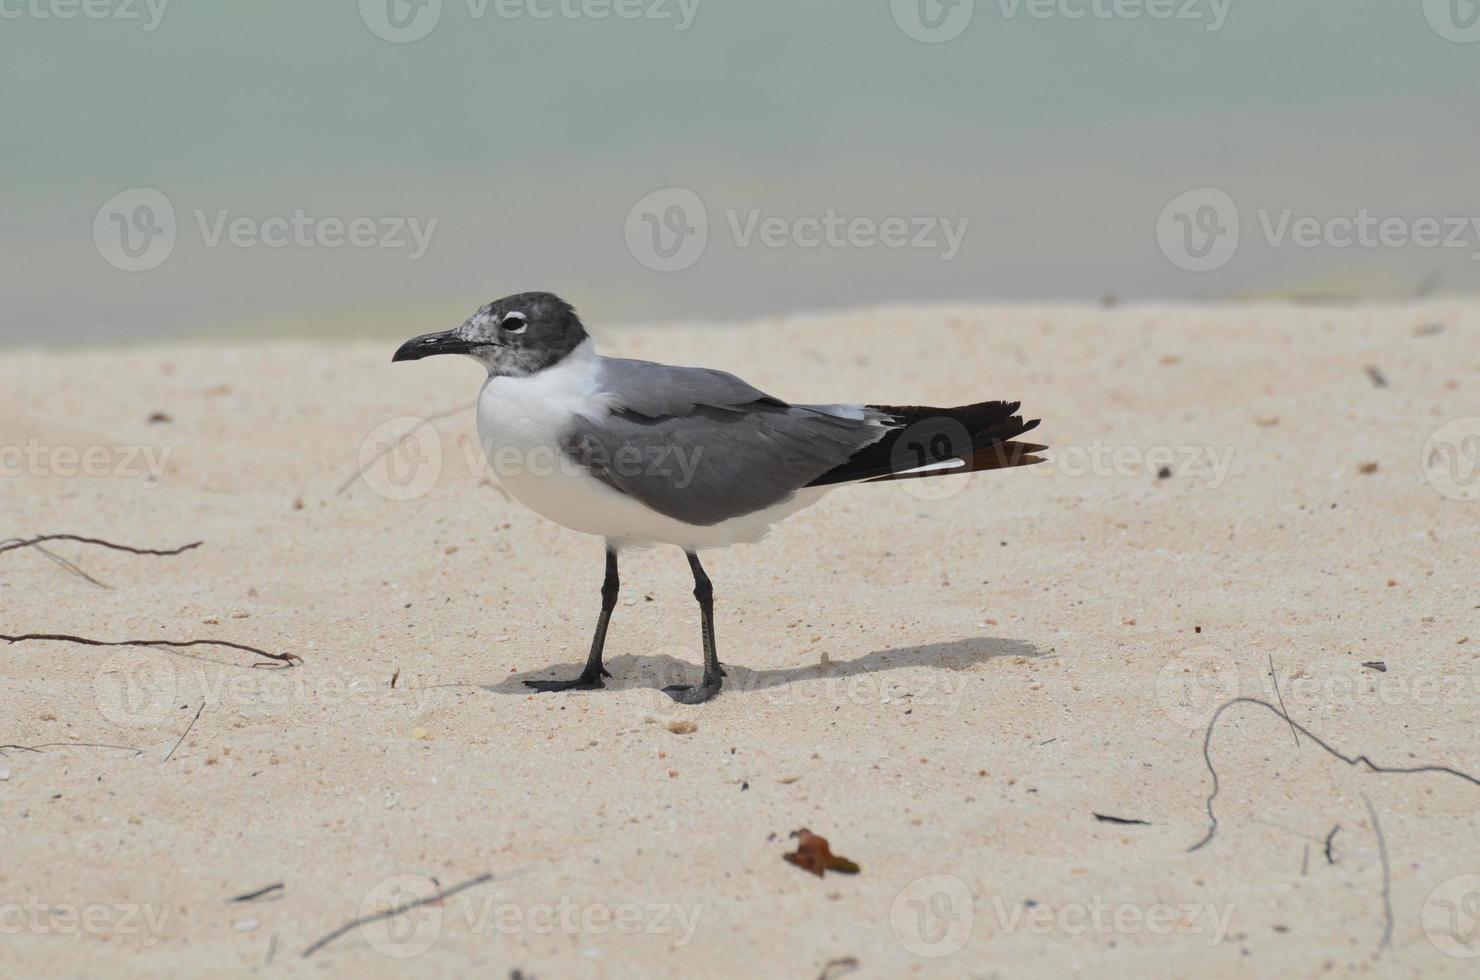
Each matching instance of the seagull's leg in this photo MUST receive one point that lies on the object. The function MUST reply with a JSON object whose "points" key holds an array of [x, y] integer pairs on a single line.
{"points": [[590, 678], [713, 672]]}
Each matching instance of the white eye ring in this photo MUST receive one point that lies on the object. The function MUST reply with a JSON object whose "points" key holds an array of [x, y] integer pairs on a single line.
{"points": [[513, 322]]}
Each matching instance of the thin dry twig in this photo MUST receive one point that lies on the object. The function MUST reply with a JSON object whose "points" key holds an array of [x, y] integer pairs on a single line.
{"points": [[12, 544], [71, 566], [1281, 697], [404, 908], [286, 658], [259, 893], [838, 967], [187, 731], [70, 745], [1387, 878], [1350, 760], [1123, 821]]}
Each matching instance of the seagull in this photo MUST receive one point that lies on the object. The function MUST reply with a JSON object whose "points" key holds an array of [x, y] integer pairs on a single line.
{"points": [[645, 454]]}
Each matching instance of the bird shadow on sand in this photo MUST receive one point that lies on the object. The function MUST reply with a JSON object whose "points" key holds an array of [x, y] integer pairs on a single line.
{"points": [[860, 675]]}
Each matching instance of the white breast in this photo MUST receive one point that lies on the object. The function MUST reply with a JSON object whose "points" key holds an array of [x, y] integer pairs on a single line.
{"points": [[520, 421]]}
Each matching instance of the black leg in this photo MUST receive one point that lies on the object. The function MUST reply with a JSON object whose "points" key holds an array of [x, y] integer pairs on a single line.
{"points": [[713, 672], [590, 678]]}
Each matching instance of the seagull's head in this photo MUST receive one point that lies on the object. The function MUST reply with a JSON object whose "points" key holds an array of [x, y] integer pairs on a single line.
{"points": [[514, 336]]}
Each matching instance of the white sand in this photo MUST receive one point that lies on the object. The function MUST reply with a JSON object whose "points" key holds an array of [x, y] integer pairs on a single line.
{"points": [[1005, 663]]}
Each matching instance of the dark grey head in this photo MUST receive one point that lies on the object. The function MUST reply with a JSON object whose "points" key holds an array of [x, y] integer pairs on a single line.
{"points": [[514, 336]]}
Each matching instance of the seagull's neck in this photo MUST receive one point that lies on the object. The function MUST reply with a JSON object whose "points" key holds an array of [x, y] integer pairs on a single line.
{"points": [[583, 353], [580, 358], [578, 363], [537, 407], [572, 376]]}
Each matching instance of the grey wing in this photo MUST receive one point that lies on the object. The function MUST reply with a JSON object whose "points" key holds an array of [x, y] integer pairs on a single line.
{"points": [[662, 390], [703, 446]]}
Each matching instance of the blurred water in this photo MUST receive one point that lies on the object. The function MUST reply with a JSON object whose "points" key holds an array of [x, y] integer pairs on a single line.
{"points": [[1050, 143]]}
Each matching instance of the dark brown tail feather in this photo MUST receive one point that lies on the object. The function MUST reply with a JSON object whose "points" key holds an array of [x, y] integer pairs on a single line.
{"points": [[979, 435]]}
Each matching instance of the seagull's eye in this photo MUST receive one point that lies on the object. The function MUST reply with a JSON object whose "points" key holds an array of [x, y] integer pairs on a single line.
{"points": [[513, 323]]}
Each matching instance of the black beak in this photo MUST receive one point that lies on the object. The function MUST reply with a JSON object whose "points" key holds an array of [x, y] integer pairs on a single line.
{"points": [[446, 342]]}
